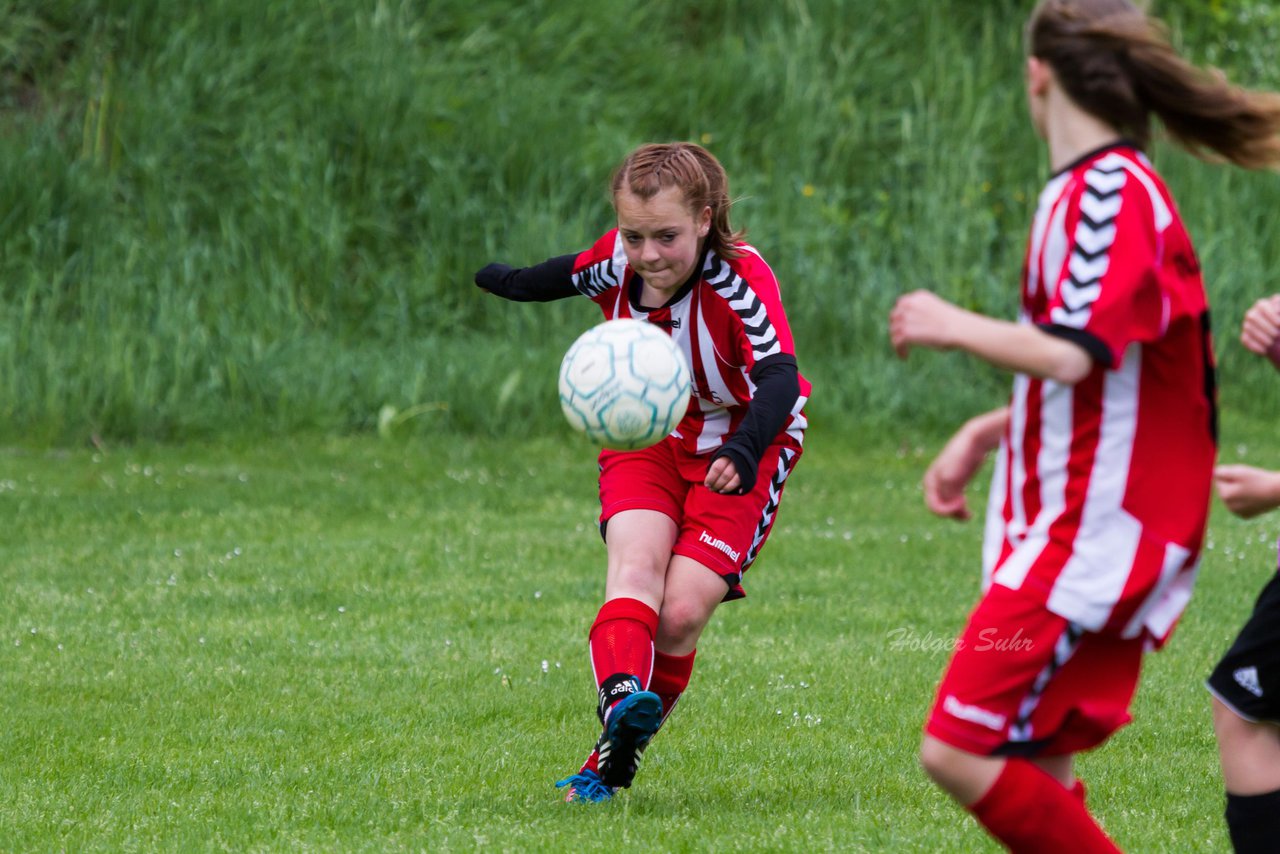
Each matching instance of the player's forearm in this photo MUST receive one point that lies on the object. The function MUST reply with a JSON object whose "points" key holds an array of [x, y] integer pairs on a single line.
{"points": [[1248, 491], [985, 431], [550, 280], [1020, 347], [1269, 495], [777, 390]]}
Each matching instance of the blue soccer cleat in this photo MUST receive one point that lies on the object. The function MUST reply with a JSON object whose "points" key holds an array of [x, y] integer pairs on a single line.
{"points": [[585, 787], [628, 726]]}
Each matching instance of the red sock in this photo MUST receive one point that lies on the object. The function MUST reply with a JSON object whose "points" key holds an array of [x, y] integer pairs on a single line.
{"points": [[621, 640], [670, 678], [1029, 811]]}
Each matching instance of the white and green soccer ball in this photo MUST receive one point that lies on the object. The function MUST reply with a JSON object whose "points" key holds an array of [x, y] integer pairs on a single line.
{"points": [[625, 384]]}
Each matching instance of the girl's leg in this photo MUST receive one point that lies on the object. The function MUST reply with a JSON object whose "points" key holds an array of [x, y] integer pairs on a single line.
{"points": [[967, 781], [1249, 750], [1018, 801], [690, 597], [1063, 769], [694, 588], [693, 591], [1250, 755], [639, 543], [966, 777], [1245, 697], [621, 642], [622, 636], [1021, 682]]}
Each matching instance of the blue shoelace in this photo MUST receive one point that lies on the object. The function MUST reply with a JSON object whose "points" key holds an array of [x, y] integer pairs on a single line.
{"points": [[587, 787]]}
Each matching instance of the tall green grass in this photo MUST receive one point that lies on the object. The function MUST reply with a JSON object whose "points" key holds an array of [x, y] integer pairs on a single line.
{"points": [[236, 217]]}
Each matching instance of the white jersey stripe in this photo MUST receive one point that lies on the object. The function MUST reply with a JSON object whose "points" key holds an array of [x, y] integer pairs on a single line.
{"points": [[1167, 592], [1162, 609], [1089, 587], [1017, 526], [1056, 402], [715, 426], [1051, 462], [993, 530]]}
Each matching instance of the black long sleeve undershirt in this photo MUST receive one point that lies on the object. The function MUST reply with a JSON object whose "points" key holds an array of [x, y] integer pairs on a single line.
{"points": [[777, 390], [550, 280]]}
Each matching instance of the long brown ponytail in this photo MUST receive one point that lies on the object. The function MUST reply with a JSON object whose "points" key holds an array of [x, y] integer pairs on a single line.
{"points": [[652, 168], [1117, 63]]}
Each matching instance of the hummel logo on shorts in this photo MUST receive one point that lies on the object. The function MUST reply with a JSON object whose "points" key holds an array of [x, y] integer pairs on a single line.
{"points": [[719, 544], [1247, 678]]}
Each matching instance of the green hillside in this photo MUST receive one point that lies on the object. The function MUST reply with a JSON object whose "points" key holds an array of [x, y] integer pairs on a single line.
{"points": [[246, 217]]}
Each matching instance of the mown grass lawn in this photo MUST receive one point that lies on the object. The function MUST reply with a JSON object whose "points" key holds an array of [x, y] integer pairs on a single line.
{"points": [[355, 644]]}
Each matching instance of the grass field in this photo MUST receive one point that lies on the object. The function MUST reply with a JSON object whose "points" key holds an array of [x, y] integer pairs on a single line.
{"points": [[355, 644]]}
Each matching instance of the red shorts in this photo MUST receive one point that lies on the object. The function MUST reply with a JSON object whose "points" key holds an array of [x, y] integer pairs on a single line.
{"points": [[722, 532], [1024, 681]]}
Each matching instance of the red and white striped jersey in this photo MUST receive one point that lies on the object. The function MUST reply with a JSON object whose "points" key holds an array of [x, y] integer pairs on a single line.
{"points": [[1101, 489], [727, 321]]}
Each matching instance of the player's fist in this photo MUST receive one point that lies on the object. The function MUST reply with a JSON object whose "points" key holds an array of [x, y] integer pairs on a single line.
{"points": [[722, 476], [920, 318], [1247, 490], [492, 278], [1260, 331]]}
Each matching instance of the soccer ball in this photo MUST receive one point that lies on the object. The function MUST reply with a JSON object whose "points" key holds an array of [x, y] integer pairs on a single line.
{"points": [[625, 384]]}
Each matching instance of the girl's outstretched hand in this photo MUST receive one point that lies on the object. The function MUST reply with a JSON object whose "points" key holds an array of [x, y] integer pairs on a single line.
{"points": [[959, 460], [948, 475], [920, 318]]}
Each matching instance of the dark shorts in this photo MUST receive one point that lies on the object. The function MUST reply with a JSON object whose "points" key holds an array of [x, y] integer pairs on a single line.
{"points": [[1247, 678]]}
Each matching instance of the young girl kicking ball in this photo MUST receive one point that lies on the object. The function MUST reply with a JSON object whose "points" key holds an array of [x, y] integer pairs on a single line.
{"points": [[684, 519]]}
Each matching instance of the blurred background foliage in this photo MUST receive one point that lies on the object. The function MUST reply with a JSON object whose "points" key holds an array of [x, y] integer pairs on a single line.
{"points": [[246, 218]]}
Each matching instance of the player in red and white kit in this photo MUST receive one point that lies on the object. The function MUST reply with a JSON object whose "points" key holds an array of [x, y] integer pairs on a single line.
{"points": [[1100, 493], [684, 519]]}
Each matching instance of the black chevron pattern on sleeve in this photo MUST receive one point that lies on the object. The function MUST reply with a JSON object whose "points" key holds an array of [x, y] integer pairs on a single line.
{"points": [[1094, 237], [744, 302]]}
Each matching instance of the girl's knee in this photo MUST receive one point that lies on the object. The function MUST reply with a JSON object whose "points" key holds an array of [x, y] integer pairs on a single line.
{"points": [[963, 775], [681, 623], [937, 759]]}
